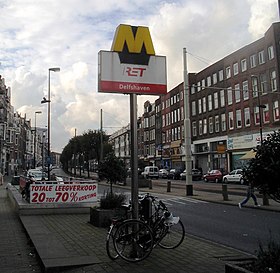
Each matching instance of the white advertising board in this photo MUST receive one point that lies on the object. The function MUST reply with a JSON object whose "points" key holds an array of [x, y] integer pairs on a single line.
{"points": [[117, 77], [63, 193]]}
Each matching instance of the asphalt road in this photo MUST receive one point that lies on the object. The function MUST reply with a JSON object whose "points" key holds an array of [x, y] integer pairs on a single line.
{"points": [[242, 229]]}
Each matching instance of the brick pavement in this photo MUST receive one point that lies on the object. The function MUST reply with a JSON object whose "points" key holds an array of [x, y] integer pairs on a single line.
{"points": [[68, 243], [16, 252]]}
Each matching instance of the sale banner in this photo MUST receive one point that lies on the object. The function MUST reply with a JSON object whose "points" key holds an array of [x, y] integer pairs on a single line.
{"points": [[63, 193]]}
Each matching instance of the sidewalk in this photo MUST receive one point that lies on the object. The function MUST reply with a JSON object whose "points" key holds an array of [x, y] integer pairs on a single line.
{"points": [[68, 243]]}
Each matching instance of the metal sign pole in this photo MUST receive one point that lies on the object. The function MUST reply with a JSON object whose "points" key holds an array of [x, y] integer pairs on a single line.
{"points": [[134, 155], [188, 159]]}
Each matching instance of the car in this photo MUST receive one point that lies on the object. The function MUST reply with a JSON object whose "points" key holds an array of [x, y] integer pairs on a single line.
{"points": [[150, 172], [37, 175], [213, 175], [234, 176], [163, 173], [174, 174], [196, 174]]}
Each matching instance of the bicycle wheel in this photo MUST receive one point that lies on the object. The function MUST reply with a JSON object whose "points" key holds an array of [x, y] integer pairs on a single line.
{"points": [[111, 252], [133, 240], [173, 235]]}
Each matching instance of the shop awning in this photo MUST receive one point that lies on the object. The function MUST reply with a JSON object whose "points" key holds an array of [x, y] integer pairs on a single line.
{"points": [[249, 155]]}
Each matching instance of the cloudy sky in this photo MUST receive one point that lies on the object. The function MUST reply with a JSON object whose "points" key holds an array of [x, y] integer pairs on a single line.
{"points": [[38, 34]]}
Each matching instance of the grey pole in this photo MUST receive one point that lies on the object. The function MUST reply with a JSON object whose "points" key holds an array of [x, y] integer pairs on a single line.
{"points": [[134, 155], [187, 125]]}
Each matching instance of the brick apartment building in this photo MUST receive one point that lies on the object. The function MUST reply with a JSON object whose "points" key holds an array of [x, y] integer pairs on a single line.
{"points": [[231, 102]]}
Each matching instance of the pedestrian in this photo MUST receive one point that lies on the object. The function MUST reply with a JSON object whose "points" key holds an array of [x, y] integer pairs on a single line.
{"points": [[250, 193], [1, 179]]}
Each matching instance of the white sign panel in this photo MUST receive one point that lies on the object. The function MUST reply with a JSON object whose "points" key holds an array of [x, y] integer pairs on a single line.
{"points": [[118, 77], [63, 193]]}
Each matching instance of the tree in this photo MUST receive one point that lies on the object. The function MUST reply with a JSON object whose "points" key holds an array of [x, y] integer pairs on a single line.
{"points": [[113, 169], [264, 169]]}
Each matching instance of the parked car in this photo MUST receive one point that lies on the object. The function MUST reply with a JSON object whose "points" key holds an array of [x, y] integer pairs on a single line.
{"points": [[150, 172], [235, 176], [213, 175], [174, 174], [37, 175], [163, 173], [196, 174]]}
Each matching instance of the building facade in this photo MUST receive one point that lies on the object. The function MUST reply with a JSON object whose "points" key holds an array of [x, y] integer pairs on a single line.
{"points": [[234, 103]]}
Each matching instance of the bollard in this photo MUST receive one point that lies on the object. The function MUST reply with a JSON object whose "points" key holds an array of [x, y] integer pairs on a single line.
{"points": [[189, 190], [168, 186], [225, 192], [150, 184], [265, 200]]}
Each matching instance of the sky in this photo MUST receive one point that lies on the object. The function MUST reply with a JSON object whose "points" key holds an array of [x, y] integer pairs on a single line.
{"points": [[36, 35]]}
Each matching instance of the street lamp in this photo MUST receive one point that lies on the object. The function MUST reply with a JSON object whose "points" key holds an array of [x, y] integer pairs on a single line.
{"points": [[54, 69], [260, 106], [37, 112]]}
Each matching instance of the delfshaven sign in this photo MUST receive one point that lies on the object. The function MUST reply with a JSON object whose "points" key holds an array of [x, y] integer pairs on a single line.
{"points": [[131, 66]]}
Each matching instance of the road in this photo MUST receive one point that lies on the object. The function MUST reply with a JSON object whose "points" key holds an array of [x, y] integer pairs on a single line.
{"points": [[241, 229], [228, 225]]}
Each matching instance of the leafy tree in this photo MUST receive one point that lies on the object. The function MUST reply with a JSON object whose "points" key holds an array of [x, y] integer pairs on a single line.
{"points": [[113, 169], [264, 169]]}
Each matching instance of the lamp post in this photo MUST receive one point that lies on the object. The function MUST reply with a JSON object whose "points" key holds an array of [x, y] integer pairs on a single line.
{"points": [[37, 112], [54, 69], [260, 106]]}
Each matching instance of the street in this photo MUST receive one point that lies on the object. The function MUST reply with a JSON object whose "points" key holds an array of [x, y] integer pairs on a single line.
{"points": [[241, 229]]}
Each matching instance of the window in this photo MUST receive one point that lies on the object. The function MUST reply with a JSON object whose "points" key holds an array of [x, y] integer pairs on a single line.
{"points": [[266, 114], [208, 81], [217, 124], [182, 113], [193, 89], [223, 121], [200, 127], [247, 121], [222, 98], [243, 65], [215, 79], [163, 120], [199, 107], [263, 83], [235, 69], [203, 84], [194, 129], [261, 57], [193, 108], [257, 115], [253, 60], [245, 90], [228, 74], [276, 110], [238, 119], [210, 104], [198, 87], [204, 126], [230, 121], [216, 100], [270, 52], [210, 125], [237, 92], [229, 95], [204, 105], [255, 86], [221, 75], [273, 80]]}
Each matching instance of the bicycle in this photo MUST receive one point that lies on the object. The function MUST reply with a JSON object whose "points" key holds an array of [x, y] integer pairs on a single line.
{"points": [[135, 239], [110, 249]]}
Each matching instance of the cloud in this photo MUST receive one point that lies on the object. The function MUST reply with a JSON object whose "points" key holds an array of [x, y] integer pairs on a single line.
{"points": [[37, 35]]}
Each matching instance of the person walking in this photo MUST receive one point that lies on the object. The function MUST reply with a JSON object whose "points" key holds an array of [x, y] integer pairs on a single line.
{"points": [[250, 193]]}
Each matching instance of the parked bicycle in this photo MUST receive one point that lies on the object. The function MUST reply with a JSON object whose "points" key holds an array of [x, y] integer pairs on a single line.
{"points": [[134, 239]]}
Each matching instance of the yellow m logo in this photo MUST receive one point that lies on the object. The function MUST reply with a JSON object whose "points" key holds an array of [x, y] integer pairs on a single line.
{"points": [[124, 34]]}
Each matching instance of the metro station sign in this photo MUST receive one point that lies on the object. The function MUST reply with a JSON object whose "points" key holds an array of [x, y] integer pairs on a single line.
{"points": [[132, 66]]}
